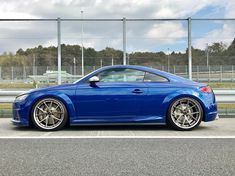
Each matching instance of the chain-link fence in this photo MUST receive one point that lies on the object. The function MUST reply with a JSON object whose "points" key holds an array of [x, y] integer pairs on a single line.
{"points": [[48, 74], [202, 48]]}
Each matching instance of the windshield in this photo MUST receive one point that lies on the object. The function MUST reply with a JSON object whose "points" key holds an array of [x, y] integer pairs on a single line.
{"points": [[77, 81]]}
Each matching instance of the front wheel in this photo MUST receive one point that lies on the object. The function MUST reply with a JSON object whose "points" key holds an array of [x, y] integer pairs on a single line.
{"points": [[185, 114], [49, 114]]}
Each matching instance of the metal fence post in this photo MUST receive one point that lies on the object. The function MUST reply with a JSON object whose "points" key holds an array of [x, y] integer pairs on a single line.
{"points": [[112, 63], [24, 73], [197, 73], [209, 73], [189, 50], [186, 70], [232, 73], [59, 49], [221, 74], [12, 74], [71, 70], [74, 66], [124, 40], [101, 63], [83, 65], [34, 61], [36, 70]]}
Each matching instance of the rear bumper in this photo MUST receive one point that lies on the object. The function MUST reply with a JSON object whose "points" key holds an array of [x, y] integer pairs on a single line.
{"points": [[210, 111], [210, 106], [211, 116]]}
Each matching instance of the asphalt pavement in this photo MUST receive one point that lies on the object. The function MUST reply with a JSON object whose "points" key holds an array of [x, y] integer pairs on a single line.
{"points": [[101, 157], [118, 150], [224, 127]]}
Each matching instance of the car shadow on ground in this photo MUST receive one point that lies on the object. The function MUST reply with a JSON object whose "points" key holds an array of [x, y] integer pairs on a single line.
{"points": [[118, 128], [126, 128], [112, 128]]}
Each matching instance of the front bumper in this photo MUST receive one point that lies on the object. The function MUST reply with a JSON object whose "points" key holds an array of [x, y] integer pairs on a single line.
{"points": [[20, 114], [19, 123]]}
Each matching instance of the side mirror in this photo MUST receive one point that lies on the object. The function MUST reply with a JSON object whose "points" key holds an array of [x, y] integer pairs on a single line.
{"points": [[94, 79]]}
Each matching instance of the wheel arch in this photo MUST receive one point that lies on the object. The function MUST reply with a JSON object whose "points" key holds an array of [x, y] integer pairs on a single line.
{"points": [[67, 102], [169, 100]]}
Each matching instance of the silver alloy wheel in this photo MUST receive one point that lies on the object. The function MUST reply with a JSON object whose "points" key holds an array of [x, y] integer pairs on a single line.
{"points": [[186, 113], [49, 113]]}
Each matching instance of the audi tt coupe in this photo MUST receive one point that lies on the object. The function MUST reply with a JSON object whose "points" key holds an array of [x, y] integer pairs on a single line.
{"points": [[118, 95]]}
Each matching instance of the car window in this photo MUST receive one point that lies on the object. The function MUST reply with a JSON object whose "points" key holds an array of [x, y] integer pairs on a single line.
{"points": [[121, 75], [150, 77]]}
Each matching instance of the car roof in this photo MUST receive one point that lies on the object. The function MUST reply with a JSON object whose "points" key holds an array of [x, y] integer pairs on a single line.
{"points": [[130, 66]]}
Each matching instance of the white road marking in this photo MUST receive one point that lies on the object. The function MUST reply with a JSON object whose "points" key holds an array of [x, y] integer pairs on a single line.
{"points": [[117, 137]]}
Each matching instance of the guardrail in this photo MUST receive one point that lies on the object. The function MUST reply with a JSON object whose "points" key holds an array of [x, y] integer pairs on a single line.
{"points": [[9, 96], [222, 96]]}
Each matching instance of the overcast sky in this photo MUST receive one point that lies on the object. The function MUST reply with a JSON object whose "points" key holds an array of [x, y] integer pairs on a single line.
{"points": [[141, 36]]}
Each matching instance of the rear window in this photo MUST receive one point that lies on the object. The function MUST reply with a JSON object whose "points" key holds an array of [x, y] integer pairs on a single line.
{"points": [[150, 77]]}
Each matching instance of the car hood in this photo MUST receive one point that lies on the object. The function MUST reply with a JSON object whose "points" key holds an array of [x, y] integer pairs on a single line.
{"points": [[57, 87]]}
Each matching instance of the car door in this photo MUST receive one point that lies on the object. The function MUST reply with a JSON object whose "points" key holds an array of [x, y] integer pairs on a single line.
{"points": [[117, 96]]}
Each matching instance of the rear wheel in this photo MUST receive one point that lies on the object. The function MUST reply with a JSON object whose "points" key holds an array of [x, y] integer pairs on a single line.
{"points": [[49, 114], [185, 114]]}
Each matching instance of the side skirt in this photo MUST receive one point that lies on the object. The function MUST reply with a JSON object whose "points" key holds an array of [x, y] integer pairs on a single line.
{"points": [[114, 124]]}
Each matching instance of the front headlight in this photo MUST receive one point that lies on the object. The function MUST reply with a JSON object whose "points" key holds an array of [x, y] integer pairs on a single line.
{"points": [[21, 97]]}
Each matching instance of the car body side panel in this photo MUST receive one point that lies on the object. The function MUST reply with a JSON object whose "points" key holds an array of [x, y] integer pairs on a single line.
{"points": [[109, 101]]}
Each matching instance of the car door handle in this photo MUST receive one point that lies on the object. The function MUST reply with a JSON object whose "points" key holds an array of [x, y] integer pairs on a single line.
{"points": [[137, 91]]}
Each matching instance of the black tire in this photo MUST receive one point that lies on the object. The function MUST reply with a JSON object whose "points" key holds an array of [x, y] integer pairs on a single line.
{"points": [[44, 113], [186, 114]]}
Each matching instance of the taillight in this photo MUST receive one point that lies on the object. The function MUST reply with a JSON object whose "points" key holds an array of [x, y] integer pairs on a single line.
{"points": [[206, 89]]}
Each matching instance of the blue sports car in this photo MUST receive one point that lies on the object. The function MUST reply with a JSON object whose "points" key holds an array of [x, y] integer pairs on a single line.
{"points": [[122, 94]]}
